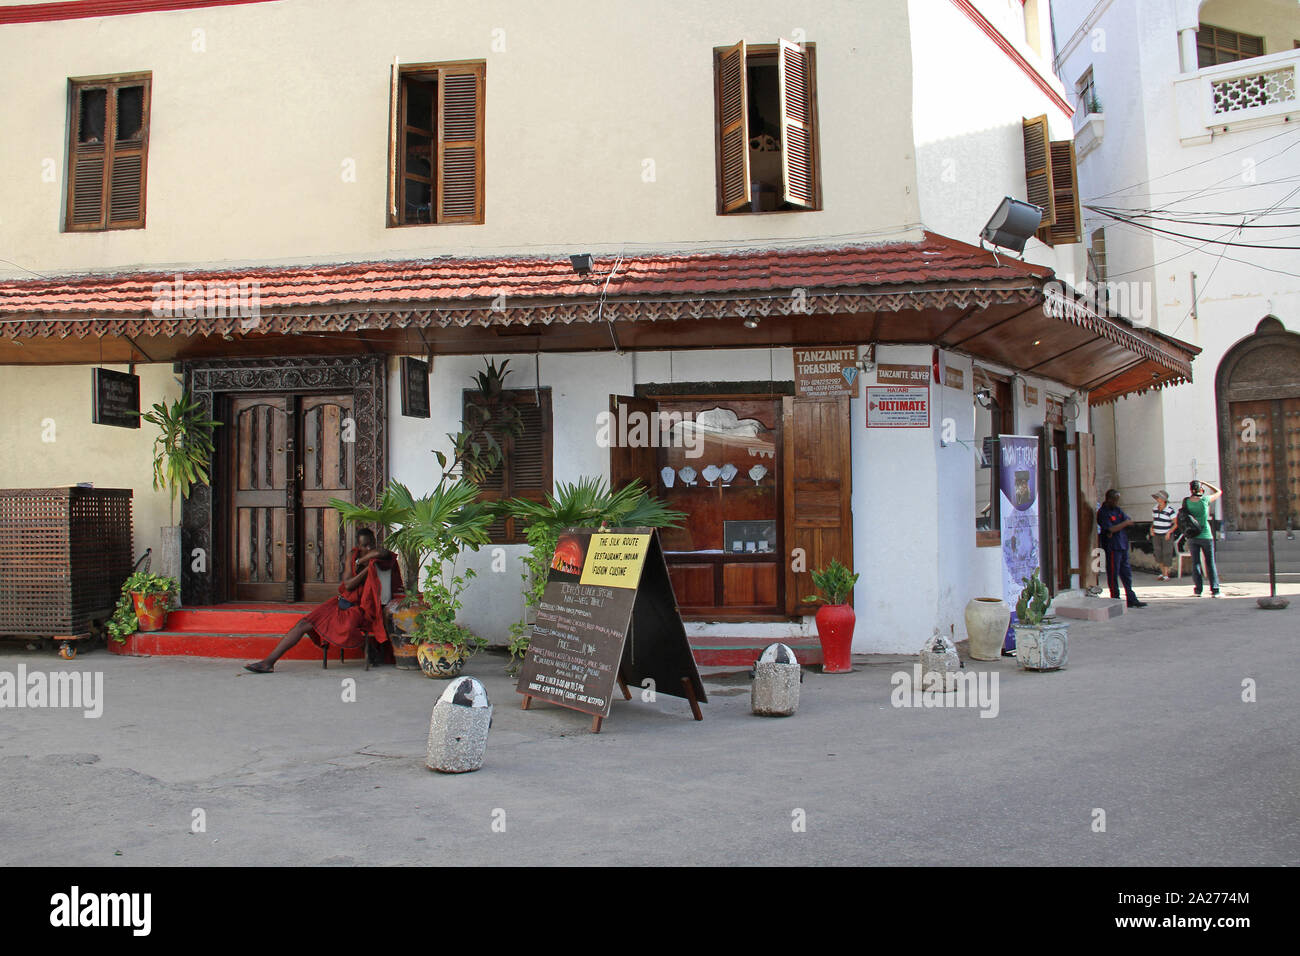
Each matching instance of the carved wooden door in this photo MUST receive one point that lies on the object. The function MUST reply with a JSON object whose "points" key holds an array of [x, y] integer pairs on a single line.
{"points": [[328, 470], [260, 524], [1266, 450]]}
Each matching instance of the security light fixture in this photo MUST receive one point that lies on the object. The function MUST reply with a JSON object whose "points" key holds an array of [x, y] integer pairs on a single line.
{"points": [[581, 263], [751, 322], [984, 396], [1011, 225]]}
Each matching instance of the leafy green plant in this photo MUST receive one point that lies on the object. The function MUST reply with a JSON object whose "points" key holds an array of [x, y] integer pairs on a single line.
{"points": [[1032, 606], [586, 503], [124, 622], [834, 581], [1093, 105], [182, 451]]}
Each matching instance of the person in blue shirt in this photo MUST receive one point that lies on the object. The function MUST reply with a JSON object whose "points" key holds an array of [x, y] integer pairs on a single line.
{"points": [[1112, 525]]}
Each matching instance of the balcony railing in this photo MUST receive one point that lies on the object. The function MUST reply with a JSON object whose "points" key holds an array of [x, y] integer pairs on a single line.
{"points": [[1260, 91]]}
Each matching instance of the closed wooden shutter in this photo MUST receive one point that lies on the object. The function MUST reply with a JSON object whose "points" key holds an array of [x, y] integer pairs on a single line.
{"points": [[797, 146], [733, 129], [1067, 225], [460, 143], [394, 118], [628, 464], [818, 489], [1038, 168], [526, 466], [108, 154]]}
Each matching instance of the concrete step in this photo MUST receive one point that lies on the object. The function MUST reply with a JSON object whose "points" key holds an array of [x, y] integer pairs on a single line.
{"points": [[246, 647]]}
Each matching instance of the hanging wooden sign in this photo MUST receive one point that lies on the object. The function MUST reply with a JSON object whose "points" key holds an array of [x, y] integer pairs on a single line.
{"points": [[415, 387], [954, 377], [1031, 394], [826, 373], [608, 616], [902, 374], [114, 398]]}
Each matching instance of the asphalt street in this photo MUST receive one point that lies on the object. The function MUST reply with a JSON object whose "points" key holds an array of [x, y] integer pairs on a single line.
{"points": [[1147, 724]]}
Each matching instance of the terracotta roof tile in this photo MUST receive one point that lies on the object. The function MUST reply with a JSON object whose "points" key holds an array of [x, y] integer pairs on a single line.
{"points": [[446, 281]]}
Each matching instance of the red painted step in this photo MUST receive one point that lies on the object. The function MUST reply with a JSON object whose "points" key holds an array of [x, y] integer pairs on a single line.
{"points": [[237, 619], [743, 651], [246, 647]]}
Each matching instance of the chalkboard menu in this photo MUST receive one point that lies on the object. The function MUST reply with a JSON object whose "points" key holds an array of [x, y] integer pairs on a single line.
{"points": [[115, 398], [415, 388], [607, 614]]}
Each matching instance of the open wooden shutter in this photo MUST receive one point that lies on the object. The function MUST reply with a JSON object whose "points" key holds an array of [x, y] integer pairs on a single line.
{"points": [[628, 464], [797, 162], [130, 146], [460, 144], [1087, 480], [818, 486], [394, 117], [108, 154], [733, 129], [1038, 168], [88, 157], [1066, 224]]}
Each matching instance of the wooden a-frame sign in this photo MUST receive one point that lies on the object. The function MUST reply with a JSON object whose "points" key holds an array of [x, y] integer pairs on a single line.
{"points": [[608, 616]]}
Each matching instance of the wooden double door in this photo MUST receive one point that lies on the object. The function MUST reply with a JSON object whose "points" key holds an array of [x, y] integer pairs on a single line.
{"points": [[287, 455], [1266, 459]]}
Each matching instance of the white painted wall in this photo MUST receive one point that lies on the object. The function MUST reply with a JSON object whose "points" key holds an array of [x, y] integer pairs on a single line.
{"points": [[37, 398], [1166, 438], [251, 138]]}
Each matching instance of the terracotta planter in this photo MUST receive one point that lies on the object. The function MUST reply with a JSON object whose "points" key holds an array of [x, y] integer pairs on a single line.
{"points": [[405, 657], [986, 626], [151, 611], [835, 632], [441, 661]]}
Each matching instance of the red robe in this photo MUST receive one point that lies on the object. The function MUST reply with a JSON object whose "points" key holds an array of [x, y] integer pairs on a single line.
{"points": [[348, 627]]}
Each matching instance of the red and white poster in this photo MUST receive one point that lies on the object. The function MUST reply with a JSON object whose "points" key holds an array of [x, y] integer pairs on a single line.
{"points": [[898, 406]]}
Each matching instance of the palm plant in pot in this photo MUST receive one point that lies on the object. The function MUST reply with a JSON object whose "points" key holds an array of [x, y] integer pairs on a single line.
{"points": [[182, 455], [835, 619], [586, 503]]}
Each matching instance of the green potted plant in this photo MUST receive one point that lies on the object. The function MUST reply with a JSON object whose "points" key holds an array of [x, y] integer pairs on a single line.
{"points": [[1041, 640], [182, 455], [586, 503], [142, 605], [835, 618]]}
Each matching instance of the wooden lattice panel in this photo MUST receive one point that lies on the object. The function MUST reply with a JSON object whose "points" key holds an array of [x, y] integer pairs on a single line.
{"points": [[64, 553]]}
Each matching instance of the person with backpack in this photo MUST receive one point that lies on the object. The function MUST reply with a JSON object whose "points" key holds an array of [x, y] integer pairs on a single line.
{"points": [[1112, 525], [1194, 525]]}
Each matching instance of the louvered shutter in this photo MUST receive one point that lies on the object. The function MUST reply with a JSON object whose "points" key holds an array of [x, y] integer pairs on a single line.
{"points": [[1067, 225], [108, 155], [526, 466], [733, 129], [818, 490], [460, 144], [1038, 168], [797, 160], [394, 118], [88, 157]]}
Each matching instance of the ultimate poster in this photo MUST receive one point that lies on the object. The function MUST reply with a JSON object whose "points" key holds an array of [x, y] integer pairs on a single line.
{"points": [[1018, 487]]}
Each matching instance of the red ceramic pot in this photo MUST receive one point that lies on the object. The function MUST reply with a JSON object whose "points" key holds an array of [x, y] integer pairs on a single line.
{"points": [[151, 611], [835, 631]]}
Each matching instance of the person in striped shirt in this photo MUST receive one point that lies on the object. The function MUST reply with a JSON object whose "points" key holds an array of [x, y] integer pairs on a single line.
{"points": [[1162, 532]]}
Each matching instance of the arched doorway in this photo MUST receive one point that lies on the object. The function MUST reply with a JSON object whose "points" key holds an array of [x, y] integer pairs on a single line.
{"points": [[1257, 388]]}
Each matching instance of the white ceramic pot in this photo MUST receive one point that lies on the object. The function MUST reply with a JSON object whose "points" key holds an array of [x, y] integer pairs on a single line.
{"points": [[986, 626]]}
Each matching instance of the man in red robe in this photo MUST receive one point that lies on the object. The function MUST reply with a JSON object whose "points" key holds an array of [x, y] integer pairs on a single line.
{"points": [[357, 611]]}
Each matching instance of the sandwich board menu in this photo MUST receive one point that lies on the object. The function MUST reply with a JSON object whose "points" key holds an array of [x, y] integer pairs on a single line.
{"points": [[608, 618]]}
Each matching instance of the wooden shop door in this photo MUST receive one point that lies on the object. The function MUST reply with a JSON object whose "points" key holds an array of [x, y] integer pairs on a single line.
{"points": [[288, 456]]}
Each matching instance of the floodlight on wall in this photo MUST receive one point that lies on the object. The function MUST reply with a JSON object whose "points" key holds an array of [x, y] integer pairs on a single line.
{"points": [[751, 322], [984, 396], [581, 263], [1011, 225]]}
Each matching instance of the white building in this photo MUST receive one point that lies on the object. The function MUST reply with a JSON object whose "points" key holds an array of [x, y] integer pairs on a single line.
{"points": [[396, 191], [1189, 165]]}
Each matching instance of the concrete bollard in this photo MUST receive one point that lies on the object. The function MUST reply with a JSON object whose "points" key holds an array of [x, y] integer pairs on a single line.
{"points": [[939, 665], [777, 674], [458, 730]]}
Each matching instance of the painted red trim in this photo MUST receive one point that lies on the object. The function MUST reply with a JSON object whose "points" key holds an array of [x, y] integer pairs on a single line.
{"points": [[81, 9], [994, 34]]}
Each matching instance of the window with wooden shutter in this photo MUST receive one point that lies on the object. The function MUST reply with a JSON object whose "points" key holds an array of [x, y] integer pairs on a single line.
{"points": [[108, 148], [766, 127], [1216, 45], [818, 491], [526, 464], [1052, 183], [436, 167]]}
